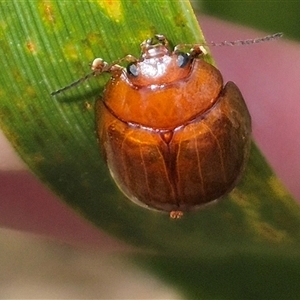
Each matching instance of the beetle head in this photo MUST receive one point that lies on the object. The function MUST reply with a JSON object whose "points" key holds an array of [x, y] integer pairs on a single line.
{"points": [[157, 65], [155, 47]]}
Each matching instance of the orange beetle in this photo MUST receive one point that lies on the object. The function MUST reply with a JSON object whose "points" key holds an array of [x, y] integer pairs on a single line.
{"points": [[173, 136]]}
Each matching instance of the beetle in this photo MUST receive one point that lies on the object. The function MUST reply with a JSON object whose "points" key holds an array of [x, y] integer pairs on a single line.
{"points": [[173, 135]]}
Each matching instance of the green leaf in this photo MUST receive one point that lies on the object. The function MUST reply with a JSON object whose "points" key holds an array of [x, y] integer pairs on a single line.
{"points": [[265, 15], [48, 44]]}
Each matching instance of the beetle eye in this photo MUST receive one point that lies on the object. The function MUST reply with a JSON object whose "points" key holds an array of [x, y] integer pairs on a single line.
{"points": [[183, 59], [132, 69]]}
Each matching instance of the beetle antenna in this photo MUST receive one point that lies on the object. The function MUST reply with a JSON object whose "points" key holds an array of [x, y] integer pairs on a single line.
{"points": [[74, 83], [198, 48], [98, 67], [266, 38]]}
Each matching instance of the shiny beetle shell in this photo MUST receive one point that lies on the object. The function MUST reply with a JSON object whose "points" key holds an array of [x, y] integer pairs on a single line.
{"points": [[173, 136]]}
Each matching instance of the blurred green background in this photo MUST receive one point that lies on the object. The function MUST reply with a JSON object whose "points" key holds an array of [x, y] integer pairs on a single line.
{"points": [[271, 16]]}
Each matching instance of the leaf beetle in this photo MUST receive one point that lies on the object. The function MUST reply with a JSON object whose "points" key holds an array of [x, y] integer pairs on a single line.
{"points": [[173, 135]]}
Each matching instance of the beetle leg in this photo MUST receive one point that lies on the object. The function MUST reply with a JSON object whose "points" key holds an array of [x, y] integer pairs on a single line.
{"points": [[100, 66], [195, 50], [176, 214], [198, 50], [128, 58]]}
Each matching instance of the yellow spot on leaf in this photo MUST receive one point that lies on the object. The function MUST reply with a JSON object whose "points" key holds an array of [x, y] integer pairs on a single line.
{"points": [[71, 51], [38, 158], [268, 232], [281, 192], [256, 220], [3, 26], [47, 11], [30, 92], [31, 47], [277, 186], [112, 8]]}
